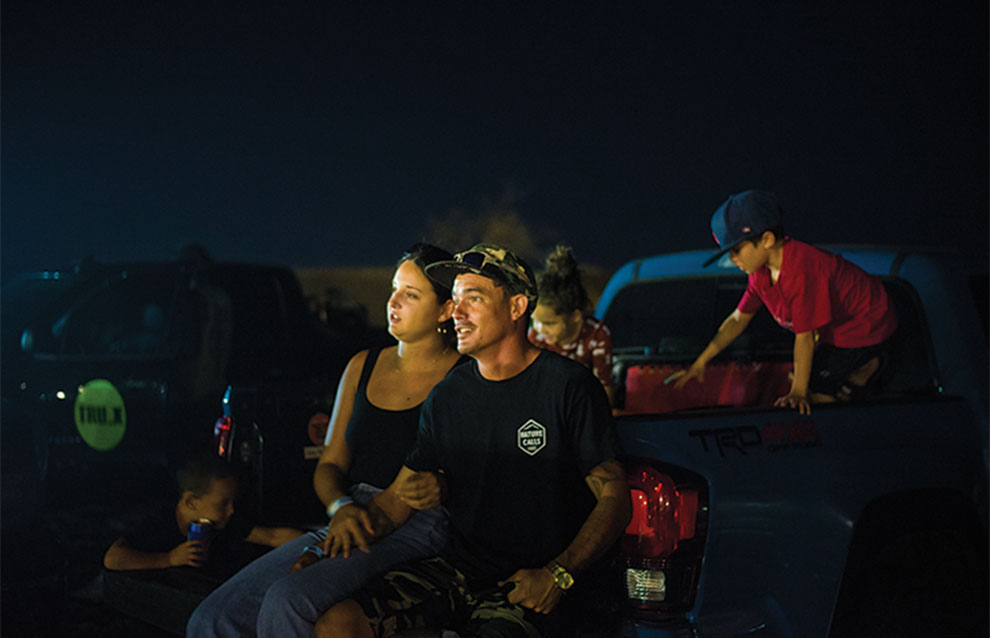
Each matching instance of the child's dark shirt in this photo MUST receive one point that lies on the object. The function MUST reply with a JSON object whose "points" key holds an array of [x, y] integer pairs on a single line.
{"points": [[160, 533]]}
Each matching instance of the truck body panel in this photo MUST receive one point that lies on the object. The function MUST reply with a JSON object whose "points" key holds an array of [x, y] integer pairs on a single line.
{"points": [[793, 500]]}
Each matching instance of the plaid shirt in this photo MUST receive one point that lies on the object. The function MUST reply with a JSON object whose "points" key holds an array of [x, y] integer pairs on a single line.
{"points": [[593, 348]]}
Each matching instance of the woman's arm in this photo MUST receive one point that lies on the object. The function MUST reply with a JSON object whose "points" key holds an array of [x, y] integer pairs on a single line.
{"points": [[386, 513], [330, 477]]}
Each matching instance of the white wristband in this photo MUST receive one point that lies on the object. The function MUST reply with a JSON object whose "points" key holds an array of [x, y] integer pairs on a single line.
{"points": [[332, 508]]}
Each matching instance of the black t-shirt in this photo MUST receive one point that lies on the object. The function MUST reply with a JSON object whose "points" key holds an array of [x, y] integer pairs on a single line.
{"points": [[160, 533], [515, 453]]}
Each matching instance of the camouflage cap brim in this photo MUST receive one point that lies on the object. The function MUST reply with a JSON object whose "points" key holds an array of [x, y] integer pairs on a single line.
{"points": [[489, 261]]}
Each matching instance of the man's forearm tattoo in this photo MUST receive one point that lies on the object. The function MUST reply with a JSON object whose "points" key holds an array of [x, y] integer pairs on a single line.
{"points": [[605, 473]]}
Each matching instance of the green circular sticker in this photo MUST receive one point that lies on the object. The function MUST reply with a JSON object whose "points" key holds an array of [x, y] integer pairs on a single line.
{"points": [[100, 415]]}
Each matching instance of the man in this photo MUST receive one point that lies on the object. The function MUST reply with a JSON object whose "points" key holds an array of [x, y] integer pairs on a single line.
{"points": [[535, 494]]}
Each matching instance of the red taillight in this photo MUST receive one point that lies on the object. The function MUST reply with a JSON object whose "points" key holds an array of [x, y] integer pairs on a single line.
{"points": [[687, 513], [221, 435], [663, 544], [662, 514]]}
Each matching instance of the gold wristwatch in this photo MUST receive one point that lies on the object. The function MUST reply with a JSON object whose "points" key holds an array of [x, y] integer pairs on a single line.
{"points": [[561, 576]]}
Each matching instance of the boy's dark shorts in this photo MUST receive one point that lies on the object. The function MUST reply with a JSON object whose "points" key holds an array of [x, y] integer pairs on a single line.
{"points": [[433, 594], [832, 365]]}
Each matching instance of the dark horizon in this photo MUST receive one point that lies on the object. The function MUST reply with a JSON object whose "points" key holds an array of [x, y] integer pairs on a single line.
{"points": [[333, 137]]}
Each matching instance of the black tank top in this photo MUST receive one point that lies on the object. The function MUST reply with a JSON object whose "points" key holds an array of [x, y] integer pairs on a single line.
{"points": [[379, 439]]}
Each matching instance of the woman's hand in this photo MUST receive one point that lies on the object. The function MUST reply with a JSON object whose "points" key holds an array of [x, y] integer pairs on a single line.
{"points": [[422, 490], [350, 527]]}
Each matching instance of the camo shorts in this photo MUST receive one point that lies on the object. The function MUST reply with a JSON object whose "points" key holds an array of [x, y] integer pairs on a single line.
{"points": [[433, 594]]}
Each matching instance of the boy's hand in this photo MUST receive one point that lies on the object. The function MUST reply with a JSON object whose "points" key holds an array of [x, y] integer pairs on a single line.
{"points": [[422, 490], [189, 553], [696, 371], [794, 400], [349, 527]]}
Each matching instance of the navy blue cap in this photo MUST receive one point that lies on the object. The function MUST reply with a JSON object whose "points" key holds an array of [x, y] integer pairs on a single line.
{"points": [[743, 216]]}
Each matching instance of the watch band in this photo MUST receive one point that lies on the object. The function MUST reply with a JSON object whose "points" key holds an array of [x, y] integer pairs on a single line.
{"points": [[333, 508]]}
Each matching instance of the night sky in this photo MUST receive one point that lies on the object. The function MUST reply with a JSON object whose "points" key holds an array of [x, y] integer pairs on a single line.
{"points": [[332, 134]]}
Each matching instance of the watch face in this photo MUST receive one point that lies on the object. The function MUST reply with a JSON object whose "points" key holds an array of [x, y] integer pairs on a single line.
{"points": [[561, 576]]}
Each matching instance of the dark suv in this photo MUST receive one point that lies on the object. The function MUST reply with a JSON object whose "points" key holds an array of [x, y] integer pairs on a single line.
{"points": [[112, 373]]}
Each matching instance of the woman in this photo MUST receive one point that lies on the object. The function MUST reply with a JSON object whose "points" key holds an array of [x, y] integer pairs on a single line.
{"points": [[374, 424], [562, 320]]}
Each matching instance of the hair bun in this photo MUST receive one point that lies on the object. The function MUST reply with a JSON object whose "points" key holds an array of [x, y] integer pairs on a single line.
{"points": [[561, 261], [560, 284]]}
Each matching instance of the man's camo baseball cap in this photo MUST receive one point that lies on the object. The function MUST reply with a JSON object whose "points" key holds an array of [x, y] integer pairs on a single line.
{"points": [[489, 261]]}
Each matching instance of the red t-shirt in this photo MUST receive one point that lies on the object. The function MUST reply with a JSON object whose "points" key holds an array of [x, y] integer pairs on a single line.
{"points": [[818, 290], [593, 348]]}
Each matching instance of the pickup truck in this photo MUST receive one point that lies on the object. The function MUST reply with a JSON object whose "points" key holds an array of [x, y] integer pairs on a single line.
{"points": [[864, 519]]}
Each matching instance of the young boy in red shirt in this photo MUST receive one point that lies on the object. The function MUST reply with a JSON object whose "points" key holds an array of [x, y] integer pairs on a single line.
{"points": [[841, 316]]}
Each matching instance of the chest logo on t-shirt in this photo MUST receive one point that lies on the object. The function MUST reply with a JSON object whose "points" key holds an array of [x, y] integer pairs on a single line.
{"points": [[532, 437], [784, 323]]}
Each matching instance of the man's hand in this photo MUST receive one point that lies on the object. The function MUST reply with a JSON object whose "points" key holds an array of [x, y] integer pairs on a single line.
{"points": [[422, 490], [190, 553], [794, 400], [535, 589], [696, 371], [350, 527]]}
